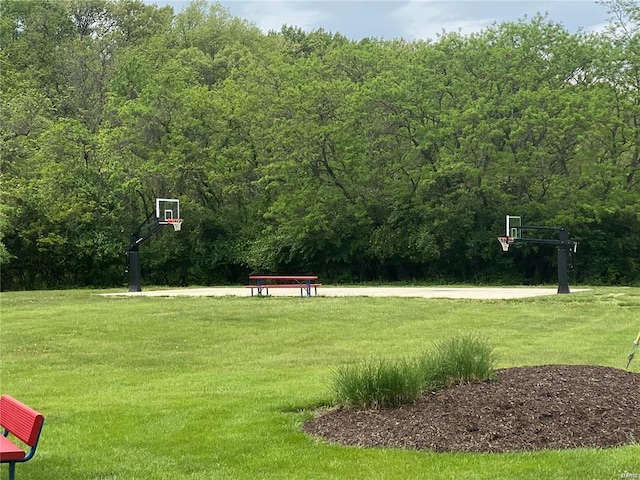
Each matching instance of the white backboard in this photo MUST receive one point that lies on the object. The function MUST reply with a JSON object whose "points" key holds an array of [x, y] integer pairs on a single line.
{"points": [[514, 226], [167, 209]]}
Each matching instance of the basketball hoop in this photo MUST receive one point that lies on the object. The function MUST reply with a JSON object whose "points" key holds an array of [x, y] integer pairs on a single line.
{"points": [[176, 222], [505, 242]]}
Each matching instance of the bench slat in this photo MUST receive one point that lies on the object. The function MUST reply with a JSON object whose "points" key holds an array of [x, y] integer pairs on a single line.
{"points": [[21, 420], [9, 451], [283, 277]]}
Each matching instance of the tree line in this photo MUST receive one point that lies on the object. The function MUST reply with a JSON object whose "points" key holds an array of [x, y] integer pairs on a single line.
{"points": [[307, 152]]}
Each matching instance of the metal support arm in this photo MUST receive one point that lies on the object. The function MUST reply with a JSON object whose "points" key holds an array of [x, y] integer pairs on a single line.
{"points": [[144, 232], [564, 245]]}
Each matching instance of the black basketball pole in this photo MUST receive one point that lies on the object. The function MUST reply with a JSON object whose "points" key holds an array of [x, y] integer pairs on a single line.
{"points": [[151, 225], [563, 243], [133, 266], [563, 267]]}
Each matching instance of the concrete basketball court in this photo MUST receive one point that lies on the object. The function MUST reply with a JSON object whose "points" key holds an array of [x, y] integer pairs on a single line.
{"points": [[478, 293]]}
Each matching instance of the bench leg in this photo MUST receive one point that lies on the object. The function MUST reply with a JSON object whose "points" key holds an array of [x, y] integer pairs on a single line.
{"points": [[12, 470]]}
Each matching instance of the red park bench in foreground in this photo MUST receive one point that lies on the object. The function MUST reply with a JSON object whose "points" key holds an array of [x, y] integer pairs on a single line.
{"points": [[23, 423], [304, 282]]}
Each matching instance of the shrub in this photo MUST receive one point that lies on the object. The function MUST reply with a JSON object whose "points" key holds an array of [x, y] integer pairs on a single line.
{"points": [[461, 359], [378, 383], [386, 383]]}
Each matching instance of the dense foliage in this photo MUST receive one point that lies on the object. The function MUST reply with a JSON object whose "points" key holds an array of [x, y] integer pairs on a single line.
{"points": [[300, 152]]}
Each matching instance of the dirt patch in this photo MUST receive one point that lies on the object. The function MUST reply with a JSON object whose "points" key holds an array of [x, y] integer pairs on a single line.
{"points": [[524, 409], [479, 293]]}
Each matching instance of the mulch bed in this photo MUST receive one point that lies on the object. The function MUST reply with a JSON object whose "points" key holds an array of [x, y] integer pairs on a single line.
{"points": [[525, 409]]}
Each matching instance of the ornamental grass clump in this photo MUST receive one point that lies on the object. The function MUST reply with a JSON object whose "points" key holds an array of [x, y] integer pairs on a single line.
{"points": [[378, 383], [384, 383], [462, 359]]}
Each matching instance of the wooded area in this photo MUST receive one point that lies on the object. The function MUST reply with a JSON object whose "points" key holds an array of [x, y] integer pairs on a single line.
{"points": [[305, 152]]}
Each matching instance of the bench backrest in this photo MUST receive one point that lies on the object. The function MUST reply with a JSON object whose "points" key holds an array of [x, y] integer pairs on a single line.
{"points": [[22, 421]]}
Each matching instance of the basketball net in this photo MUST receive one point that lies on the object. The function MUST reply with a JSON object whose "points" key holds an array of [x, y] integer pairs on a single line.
{"points": [[505, 242], [176, 222]]}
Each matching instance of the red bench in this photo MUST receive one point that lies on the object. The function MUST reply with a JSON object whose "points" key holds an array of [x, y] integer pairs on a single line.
{"points": [[23, 423], [304, 282]]}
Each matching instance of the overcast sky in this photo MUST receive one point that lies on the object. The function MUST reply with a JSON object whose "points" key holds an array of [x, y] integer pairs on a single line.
{"points": [[408, 19]]}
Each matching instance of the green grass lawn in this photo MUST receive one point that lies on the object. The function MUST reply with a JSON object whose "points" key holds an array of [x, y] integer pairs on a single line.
{"points": [[216, 388]]}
